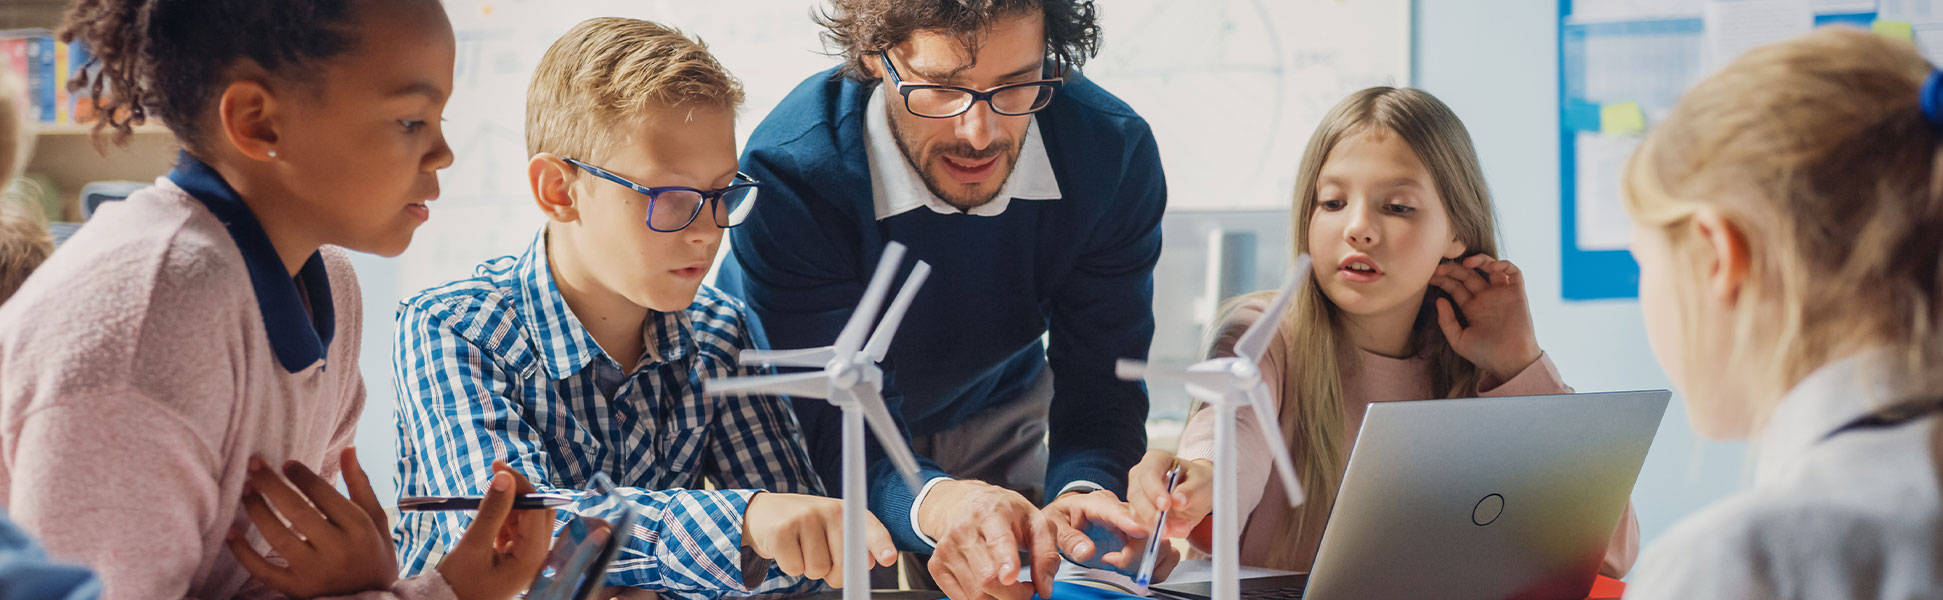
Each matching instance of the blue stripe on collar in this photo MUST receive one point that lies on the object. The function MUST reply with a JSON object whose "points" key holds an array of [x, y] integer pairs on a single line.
{"points": [[299, 336]]}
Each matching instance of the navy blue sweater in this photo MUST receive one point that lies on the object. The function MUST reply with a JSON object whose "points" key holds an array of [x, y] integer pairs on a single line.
{"points": [[1079, 268]]}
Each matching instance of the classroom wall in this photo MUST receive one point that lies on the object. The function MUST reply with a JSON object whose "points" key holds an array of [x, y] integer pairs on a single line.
{"points": [[1495, 63]]}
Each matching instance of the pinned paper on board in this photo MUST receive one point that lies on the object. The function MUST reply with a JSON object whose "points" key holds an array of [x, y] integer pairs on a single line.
{"points": [[1624, 118], [1895, 30], [1734, 27], [1601, 219]]}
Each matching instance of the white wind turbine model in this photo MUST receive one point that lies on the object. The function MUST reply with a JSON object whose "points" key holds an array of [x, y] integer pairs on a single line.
{"points": [[851, 380], [1227, 383]]}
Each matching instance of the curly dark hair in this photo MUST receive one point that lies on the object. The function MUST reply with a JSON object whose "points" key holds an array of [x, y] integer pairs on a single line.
{"points": [[859, 30], [168, 58]]}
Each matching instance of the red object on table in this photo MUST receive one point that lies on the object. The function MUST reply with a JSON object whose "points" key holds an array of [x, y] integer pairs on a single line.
{"points": [[1606, 588]]}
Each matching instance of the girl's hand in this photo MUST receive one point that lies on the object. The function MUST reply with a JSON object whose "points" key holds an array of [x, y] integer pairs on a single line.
{"points": [[1190, 502], [334, 546], [1498, 334], [503, 550]]}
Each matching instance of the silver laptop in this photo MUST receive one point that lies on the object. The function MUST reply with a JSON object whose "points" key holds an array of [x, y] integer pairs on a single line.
{"points": [[1477, 498]]}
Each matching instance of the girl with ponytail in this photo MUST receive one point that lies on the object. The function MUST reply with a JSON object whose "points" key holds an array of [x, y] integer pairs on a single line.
{"points": [[180, 382], [1789, 233]]}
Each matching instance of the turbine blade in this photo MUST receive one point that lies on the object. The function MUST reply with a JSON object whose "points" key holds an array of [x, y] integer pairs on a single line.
{"points": [[852, 336], [1214, 379], [814, 384], [884, 427], [808, 357], [880, 340], [1278, 448], [1255, 341]]}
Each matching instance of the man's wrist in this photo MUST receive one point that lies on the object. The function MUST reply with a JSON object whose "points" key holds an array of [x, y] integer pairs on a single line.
{"points": [[1078, 487], [917, 513]]}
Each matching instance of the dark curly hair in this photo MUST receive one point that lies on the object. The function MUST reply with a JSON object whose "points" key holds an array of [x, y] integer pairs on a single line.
{"points": [[859, 30], [168, 58]]}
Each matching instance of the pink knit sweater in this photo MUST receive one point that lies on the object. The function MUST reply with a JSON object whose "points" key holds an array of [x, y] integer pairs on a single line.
{"points": [[137, 379]]}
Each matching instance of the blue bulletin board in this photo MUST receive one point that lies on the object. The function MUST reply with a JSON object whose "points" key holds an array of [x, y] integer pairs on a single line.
{"points": [[1622, 64]]}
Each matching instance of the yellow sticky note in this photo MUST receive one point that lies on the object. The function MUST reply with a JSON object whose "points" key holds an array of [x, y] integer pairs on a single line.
{"points": [[1624, 118], [1895, 30]]}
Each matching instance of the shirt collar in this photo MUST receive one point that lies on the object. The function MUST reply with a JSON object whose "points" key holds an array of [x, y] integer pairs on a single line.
{"points": [[299, 336], [896, 188], [565, 344], [1830, 397]]}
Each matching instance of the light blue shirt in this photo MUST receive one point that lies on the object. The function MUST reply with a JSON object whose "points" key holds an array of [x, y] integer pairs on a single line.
{"points": [[27, 574]]}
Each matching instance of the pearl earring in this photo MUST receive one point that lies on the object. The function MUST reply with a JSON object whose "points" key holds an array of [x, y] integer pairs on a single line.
{"points": [[273, 154]]}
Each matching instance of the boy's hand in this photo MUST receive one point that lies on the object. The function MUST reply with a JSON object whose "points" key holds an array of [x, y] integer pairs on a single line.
{"points": [[804, 535], [1192, 499], [503, 549], [333, 547]]}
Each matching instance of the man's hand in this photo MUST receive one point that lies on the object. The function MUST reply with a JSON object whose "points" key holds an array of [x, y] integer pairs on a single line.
{"points": [[980, 529]]}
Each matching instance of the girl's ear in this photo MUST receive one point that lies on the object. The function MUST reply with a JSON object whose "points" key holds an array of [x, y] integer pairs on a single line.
{"points": [[549, 176], [246, 115], [1456, 249], [1728, 258]]}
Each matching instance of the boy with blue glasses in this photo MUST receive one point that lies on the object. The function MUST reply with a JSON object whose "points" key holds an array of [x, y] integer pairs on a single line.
{"points": [[588, 352]]}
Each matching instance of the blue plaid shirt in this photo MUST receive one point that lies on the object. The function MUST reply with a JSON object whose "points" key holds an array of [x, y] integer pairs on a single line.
{"points": [[496, 367]]}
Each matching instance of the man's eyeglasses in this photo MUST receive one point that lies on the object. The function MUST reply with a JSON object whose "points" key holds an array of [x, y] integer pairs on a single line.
{"points": [[673, 208], [943, 101]]}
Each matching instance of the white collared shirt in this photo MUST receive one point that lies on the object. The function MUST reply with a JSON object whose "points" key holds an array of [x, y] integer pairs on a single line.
{"points": [[896, 188], [1849, 516]]}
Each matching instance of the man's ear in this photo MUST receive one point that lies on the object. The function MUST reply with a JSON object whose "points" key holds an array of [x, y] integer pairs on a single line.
{"points": [[1728, 258], [874, 66], [247, 113], [551, 179]]}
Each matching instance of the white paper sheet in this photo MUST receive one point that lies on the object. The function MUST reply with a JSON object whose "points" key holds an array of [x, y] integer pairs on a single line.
{"points": [[1601, 219], [1594, 11], [1735, 26]]}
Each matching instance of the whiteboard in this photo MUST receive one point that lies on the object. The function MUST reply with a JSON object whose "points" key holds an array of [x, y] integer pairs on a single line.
{"points": [[1232, 89]]}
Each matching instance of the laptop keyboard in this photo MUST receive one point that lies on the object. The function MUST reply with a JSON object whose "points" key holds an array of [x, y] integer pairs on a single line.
{"points": [[1272, 594]]}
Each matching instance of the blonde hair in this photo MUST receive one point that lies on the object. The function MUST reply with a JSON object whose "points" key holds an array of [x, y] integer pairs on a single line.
{"points": [[610, 71], [16, 132], [24, 240], [1817, 150], [1311, 397]]}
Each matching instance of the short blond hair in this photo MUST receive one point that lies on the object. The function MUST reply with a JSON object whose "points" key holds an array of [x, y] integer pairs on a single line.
{"points": [[16, 135], [1817, 150], [24, 241], [24, 244], [610, 71]]}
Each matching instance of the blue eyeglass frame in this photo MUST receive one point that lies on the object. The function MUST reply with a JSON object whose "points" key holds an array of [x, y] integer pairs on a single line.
{"points": [[743, 181], [904, 88]]}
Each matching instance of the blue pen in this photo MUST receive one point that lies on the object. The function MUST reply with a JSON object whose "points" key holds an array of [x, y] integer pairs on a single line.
{"points": [[1153, 541]]}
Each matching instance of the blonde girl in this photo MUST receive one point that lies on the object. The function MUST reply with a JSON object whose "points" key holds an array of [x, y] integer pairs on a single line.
{"points": [[1790, 243], [1411, 304]]}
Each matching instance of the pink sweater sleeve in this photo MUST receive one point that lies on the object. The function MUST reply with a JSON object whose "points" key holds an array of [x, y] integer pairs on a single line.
{"points": [[96, 469], [1542, 378], [1251, 451]]}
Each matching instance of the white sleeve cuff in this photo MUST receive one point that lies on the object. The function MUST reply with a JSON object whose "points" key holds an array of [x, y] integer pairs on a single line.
{"points": [[919, 501], [1081, 485]]}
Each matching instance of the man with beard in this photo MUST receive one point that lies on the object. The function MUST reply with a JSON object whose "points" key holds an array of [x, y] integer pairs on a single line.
{"points": [[964, 130]]}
